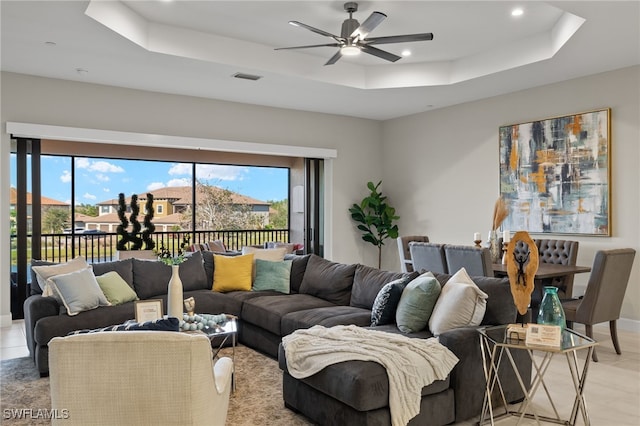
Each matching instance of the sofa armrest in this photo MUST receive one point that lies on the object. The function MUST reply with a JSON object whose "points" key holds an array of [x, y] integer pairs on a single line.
{"points": [[35, 308]]}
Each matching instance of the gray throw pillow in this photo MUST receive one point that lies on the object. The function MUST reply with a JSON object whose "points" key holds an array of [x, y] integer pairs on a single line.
{"points": [[79, 291], [328, 280], [417, 302]]}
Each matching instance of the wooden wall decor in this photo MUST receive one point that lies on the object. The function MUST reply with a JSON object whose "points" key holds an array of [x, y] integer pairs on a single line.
{"points": [[522, 266]]}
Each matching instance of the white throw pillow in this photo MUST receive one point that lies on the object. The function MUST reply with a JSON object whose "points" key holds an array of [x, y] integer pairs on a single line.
{"points": [[461, 303], [43, 273], [79, 291]]}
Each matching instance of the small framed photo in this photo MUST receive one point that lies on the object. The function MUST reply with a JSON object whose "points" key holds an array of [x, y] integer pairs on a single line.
{"points": [[148, 310]]}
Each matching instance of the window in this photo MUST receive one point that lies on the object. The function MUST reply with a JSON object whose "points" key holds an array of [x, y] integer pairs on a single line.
{"points": [[159, 209]]}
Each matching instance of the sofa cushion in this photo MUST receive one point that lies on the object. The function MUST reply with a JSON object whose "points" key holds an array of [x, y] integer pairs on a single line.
{"points": [[124, 268], [192, 274], [267, 311], [417, 303], [367, 283], [328, 317], [298, 267], [460, 304], [384, 306], [115, 288], [362, 385], [79, 291], [150, 278], [60, 325], [328, 280], [272, 276], [232, 272]]}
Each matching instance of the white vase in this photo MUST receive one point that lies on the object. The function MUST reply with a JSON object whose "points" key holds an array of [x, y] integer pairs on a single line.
{"points": [[174, 294]]}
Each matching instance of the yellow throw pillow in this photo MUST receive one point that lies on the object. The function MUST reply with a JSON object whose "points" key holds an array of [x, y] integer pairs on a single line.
{"points": [[232, 273]]}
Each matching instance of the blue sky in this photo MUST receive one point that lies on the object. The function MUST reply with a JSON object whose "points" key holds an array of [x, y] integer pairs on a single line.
{"points": [[99, 179]]}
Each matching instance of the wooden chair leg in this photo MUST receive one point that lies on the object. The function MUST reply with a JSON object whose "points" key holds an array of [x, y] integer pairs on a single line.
{"points": [[589, 333], [614, 336]]}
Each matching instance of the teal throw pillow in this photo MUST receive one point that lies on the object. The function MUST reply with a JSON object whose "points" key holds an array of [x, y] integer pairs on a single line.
{"points": [[115, 288], [417, 302], [272, 275]]}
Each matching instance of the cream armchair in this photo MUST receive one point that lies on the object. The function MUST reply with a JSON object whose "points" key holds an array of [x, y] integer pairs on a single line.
{"points": [[138, 378]]}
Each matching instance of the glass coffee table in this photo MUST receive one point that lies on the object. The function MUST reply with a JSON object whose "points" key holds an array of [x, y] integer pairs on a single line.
{"points": [[495, 343]]}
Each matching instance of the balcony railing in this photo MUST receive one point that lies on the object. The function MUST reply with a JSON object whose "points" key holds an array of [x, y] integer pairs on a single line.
{"points": [[101, 247]]}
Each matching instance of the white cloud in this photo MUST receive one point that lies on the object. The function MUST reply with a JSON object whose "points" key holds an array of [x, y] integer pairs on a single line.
{"points": [[102, 177], [98, 166], [66, 176], [220, 172], [89, 196], [180, 169], [179, 182], [106, 189], [105, 167], [155, 185], [82, 163]]}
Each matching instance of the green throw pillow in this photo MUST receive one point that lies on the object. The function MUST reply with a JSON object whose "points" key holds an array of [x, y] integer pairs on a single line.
{"points": [[272, 275], [115, 288], [417, 302]]}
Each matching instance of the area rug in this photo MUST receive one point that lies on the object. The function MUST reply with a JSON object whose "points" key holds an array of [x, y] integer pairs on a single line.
{"points": [[256, 401]]}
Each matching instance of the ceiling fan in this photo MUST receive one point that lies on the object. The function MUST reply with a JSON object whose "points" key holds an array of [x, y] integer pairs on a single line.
{"points": [[353, 37]]}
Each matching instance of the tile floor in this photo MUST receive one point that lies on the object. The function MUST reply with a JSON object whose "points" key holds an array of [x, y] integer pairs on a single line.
{"points": [[612, 391]]}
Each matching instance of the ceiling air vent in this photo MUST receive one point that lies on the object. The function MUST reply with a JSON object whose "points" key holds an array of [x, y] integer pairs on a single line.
{"points": [[247, 76]]}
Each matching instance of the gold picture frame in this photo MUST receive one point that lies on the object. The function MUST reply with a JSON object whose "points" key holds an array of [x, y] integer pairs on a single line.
{"points": [[148, 310]]}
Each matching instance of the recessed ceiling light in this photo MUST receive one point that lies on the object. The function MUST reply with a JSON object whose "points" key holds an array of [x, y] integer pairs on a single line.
{"points": [[517, 12], [406, 53]]}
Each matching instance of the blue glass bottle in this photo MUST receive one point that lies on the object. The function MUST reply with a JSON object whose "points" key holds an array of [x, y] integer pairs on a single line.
{"points": [[551, 312]]}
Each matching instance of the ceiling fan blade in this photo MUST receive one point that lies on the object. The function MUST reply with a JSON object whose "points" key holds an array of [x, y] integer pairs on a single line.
{"points": [[316, 30], [368, 25], [379, 53], [306, 47], [334, 58], [399, 38]]}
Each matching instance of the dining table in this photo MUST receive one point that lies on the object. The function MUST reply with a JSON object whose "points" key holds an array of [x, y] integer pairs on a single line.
{"points": [[545, 270]]}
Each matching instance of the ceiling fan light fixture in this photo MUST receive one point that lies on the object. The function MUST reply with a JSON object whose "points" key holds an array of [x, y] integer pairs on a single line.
{"points": [[350, 50]]}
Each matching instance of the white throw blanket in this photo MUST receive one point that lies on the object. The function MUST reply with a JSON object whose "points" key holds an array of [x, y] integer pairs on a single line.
{"points": [[411, 363]]}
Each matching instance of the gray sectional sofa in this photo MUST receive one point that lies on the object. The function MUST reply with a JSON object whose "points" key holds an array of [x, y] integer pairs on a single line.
{"points": [[322, 293]]}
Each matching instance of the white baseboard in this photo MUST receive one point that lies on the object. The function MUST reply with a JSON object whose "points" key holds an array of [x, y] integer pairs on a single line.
{"points": [[5, 320], [626, 325]]}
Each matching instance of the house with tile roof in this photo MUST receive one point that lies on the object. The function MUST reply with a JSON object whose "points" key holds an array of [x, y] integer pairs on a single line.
{"points": [[170, 205]]}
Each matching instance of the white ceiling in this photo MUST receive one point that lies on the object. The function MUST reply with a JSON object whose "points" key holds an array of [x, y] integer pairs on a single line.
{"points": [[194, 47]]}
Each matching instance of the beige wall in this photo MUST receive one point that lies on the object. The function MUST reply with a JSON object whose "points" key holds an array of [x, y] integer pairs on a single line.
{"points": [[443, 165], [63, 103]]}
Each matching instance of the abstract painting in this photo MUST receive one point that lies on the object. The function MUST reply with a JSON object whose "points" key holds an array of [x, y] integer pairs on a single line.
{"points": [[555, 173]]}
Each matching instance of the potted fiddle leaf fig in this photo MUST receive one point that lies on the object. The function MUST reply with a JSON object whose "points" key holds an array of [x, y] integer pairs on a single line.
{"points": [[375, 218]]}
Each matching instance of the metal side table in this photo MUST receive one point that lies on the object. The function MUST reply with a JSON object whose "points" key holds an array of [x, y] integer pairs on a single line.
{"points": [[495, 343]]}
